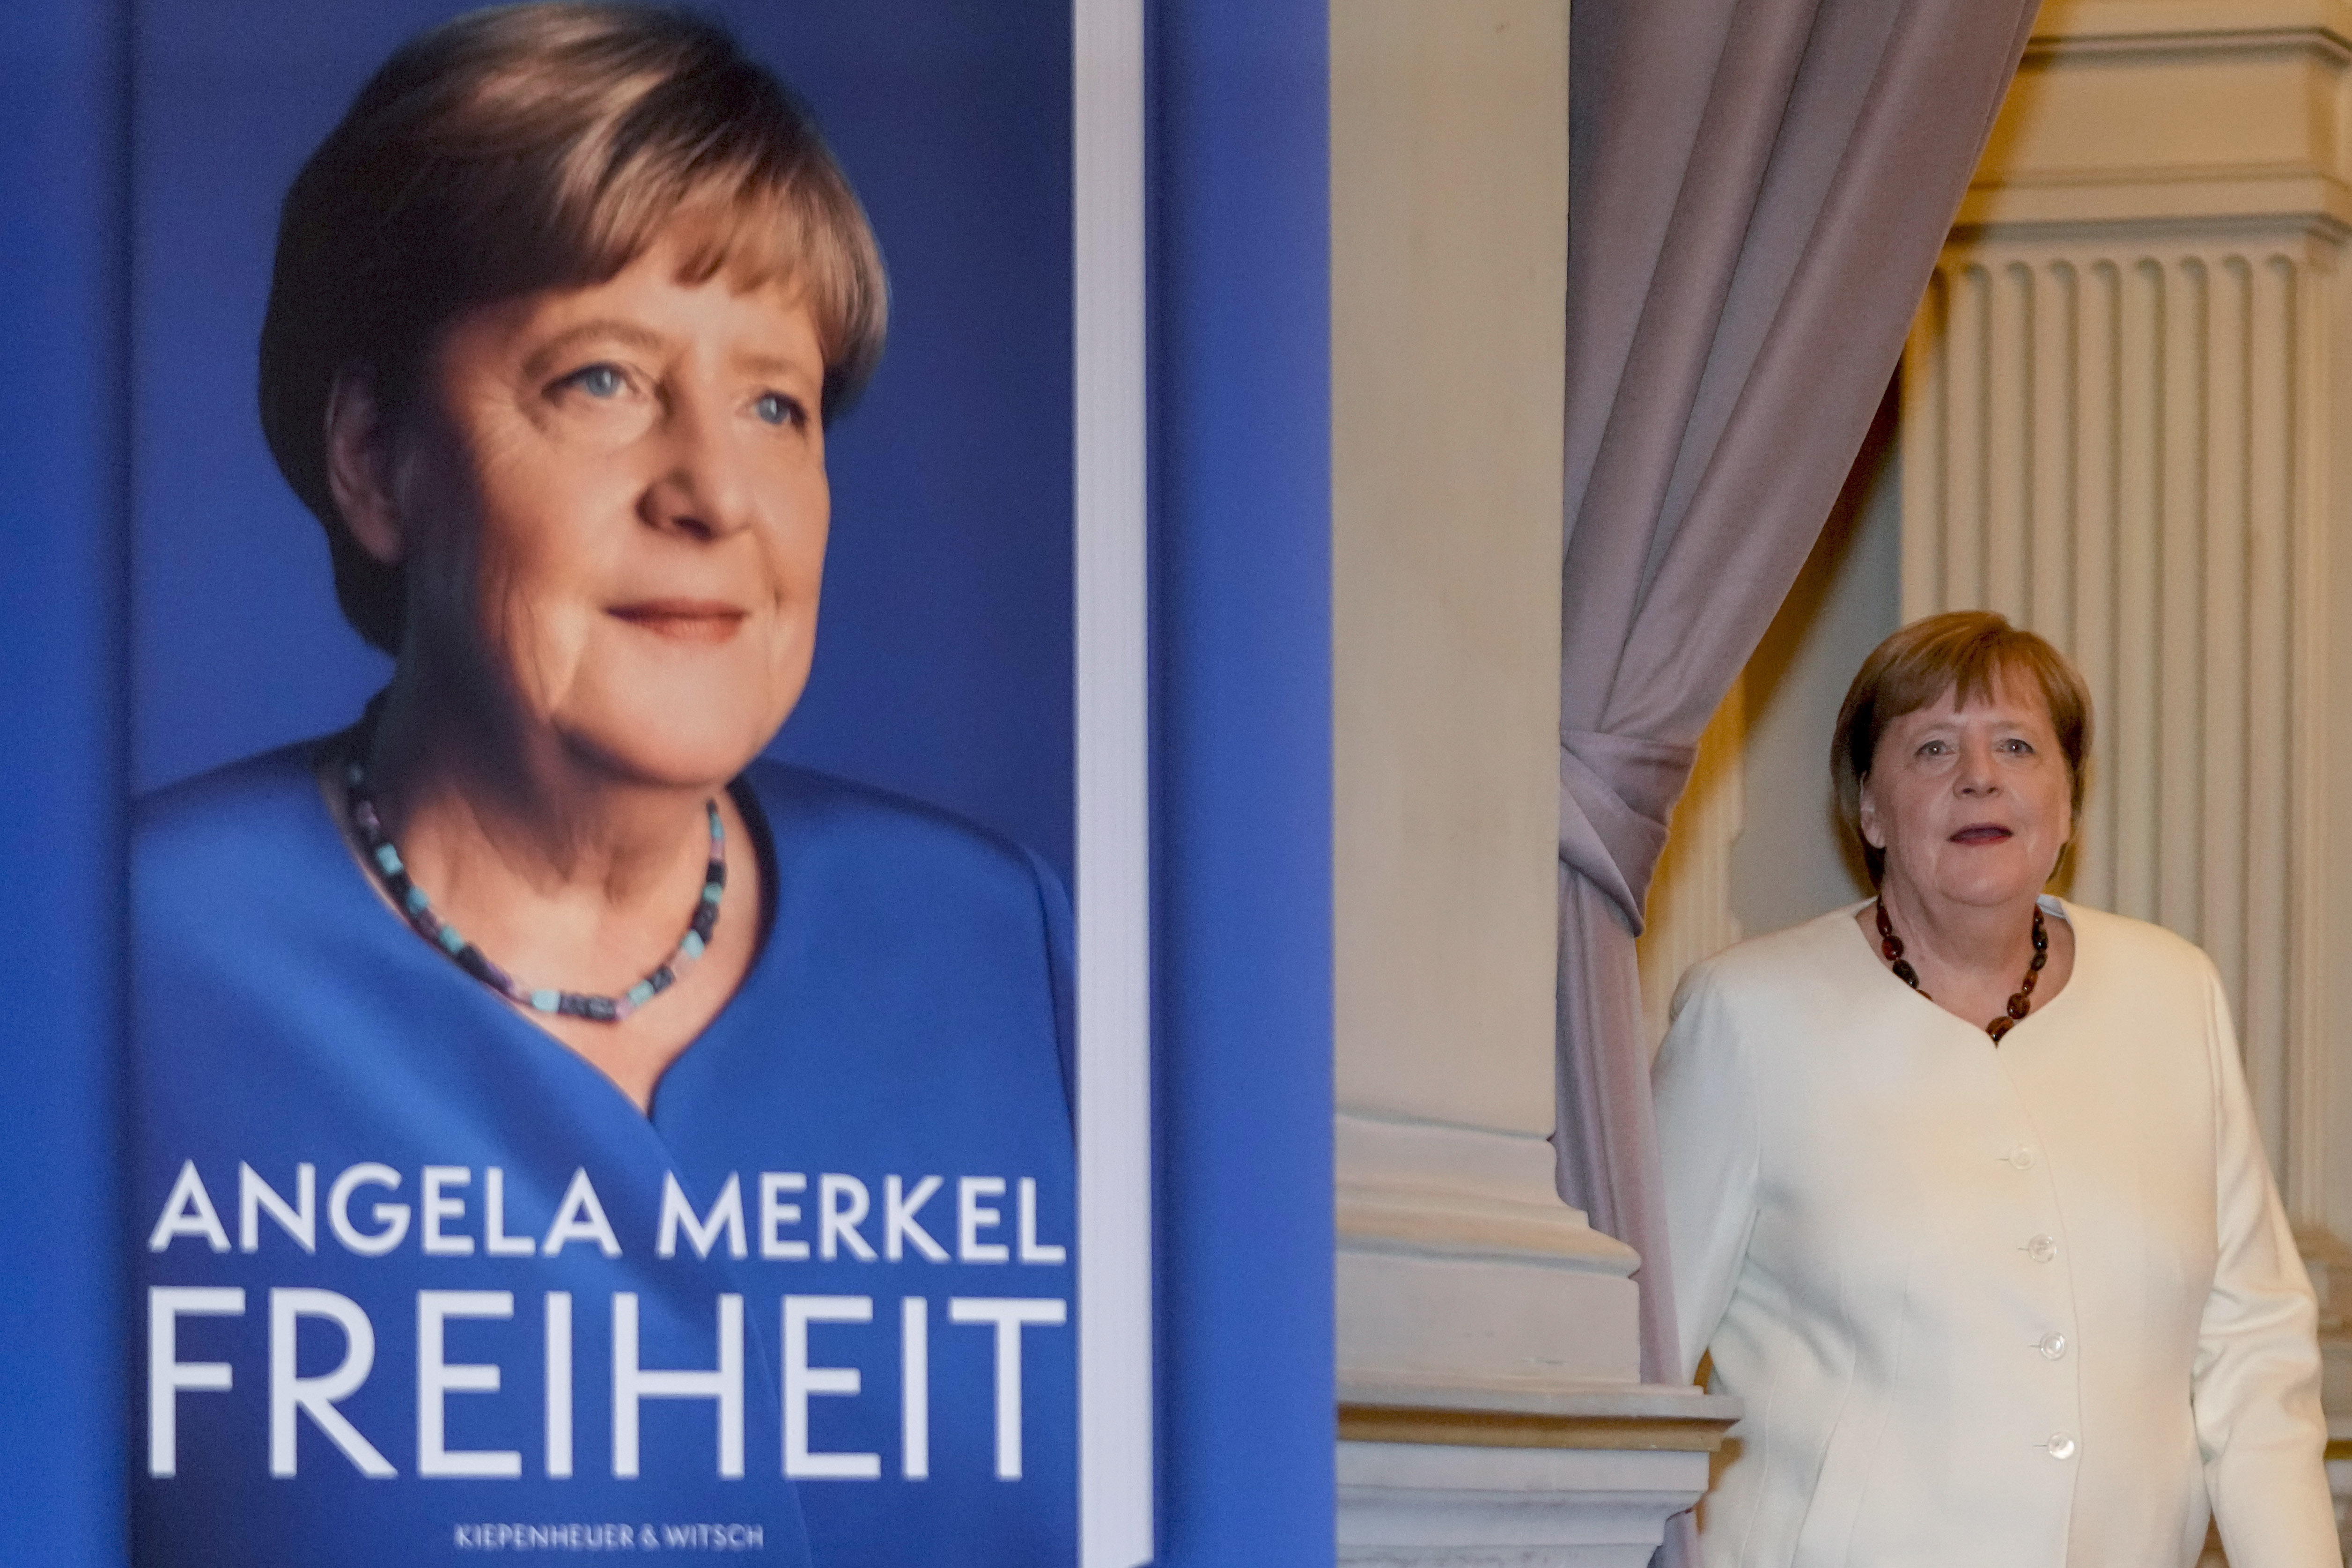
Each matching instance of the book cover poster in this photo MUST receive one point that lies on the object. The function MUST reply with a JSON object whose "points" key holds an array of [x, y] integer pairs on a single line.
{"points": [[602, 1057]]}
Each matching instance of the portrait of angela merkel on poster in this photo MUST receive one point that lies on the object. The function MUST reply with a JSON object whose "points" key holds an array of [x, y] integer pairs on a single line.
{"points": [[555, 1128]]}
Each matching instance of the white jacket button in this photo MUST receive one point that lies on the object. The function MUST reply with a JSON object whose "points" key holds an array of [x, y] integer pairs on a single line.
{"points": [[2041, 1249], [2021, 1157], [2062, 1447], [2053, 1345]]}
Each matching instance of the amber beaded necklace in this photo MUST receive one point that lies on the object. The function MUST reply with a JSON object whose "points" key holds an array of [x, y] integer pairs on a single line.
{"points": [[2019, 1003]]}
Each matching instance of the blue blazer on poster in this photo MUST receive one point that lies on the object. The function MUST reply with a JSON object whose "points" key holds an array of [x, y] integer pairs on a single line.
{"points": [[416, 1277]]}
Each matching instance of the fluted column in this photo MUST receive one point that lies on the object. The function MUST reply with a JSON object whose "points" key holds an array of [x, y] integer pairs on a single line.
{"points": [[2121, 440]]}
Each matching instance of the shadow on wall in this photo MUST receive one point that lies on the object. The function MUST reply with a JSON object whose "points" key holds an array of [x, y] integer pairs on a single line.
{"points": [[1793, 860]]}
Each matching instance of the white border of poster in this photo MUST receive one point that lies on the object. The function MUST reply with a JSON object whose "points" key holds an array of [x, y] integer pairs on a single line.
{"points": [[1113, 746]]}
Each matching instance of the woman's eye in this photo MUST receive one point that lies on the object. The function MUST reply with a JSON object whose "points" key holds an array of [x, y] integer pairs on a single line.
{"points": [[600, 381], [1931, 748], [775, 408]]}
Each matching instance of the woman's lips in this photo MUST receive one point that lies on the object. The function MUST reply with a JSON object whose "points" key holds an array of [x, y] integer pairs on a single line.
{"points": [[682, 619], [1981, 833]]}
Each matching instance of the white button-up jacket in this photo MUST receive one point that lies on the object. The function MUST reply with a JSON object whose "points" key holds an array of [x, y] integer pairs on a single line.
{"points": [[2026, 1306]]}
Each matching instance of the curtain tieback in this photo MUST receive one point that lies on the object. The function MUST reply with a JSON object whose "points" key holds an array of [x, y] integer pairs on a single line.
{"points": [[1616, 793]]}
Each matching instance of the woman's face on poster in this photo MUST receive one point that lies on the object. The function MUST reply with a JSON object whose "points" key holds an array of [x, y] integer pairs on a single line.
{"points": [[610, 504]]}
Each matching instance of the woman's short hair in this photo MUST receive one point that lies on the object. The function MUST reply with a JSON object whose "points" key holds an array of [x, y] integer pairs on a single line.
{"points": [[530, 147], [1967, 651]]}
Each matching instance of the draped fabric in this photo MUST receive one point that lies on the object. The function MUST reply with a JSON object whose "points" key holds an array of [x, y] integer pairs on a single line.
{"points": [[1758, 191]]}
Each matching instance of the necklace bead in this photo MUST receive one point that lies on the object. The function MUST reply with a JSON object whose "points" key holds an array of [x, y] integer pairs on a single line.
{"points": [[391, 872], [2021, 1001]]}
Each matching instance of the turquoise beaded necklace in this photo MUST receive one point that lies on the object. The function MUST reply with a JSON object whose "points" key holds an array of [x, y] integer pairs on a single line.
{"points": [[383, 859]]}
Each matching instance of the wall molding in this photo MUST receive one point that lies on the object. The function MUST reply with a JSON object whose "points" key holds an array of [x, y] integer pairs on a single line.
{"points": [[1644, 1419], [1418, 1505], [2137, 109]]}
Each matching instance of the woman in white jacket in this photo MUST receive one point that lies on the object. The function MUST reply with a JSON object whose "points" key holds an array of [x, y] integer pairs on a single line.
{"points": [[1966, 1195]]}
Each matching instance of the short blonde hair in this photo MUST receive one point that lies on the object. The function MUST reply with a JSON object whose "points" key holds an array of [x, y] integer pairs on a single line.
{"points": [[542, 146], [1967, 651]]}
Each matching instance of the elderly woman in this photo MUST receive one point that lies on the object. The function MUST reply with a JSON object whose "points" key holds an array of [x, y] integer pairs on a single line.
{"points": [[1967, 1199], [554, 1129]]}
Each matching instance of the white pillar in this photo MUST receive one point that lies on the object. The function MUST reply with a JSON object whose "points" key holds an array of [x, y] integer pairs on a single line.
{"points": [[1489, 1367]]}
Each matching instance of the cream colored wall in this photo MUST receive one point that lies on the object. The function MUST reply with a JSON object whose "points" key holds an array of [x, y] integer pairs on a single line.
{"points": [[1449, 255], [1792, 862]]}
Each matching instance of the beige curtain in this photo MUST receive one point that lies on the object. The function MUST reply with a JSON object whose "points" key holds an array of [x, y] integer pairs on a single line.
{"points": [[1758, 190]]}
